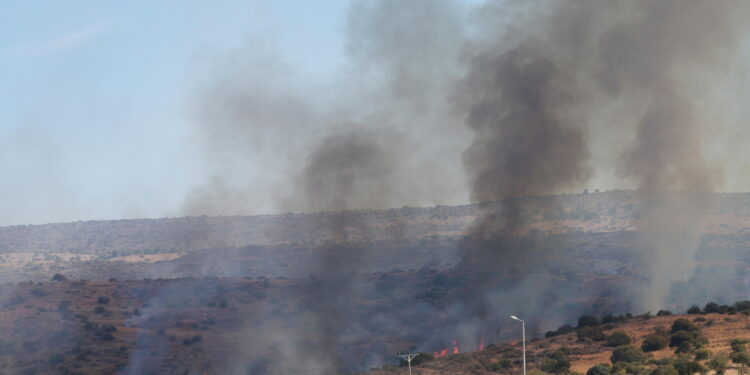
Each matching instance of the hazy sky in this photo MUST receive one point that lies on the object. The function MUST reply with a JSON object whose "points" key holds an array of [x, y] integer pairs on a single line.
{"points": [[99, 105], [93, 117]]}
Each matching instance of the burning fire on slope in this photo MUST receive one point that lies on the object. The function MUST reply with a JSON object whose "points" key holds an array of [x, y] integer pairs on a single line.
{"points": [[455, 349]]}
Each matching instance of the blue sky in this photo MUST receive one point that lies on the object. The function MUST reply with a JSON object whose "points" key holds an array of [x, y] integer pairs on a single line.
{"points": [[94, 94], [98, 104]]}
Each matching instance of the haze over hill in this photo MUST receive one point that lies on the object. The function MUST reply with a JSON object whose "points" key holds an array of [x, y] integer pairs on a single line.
{"points": [[501, 105], [398, 238]]}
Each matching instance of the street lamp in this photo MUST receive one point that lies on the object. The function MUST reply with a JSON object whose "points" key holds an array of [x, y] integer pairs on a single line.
{"points": [[523, 333]]}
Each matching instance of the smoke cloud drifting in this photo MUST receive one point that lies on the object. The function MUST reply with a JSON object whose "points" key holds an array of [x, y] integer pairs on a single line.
{"points": [[512, 99], [534, 94]]}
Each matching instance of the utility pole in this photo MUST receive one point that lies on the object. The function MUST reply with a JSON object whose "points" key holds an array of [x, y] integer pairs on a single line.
{"points": [[523, 335], [408, 357]]}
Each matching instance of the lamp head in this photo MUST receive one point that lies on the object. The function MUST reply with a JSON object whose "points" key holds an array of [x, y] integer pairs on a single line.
{"points": [[515, 318]]}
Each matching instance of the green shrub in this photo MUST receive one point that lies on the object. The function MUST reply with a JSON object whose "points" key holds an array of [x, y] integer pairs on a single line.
{"points": [[629, 368], [740, 358], [665, 370], [588, 321], [628, 353], [688, 367], [102, 300], [713, 307], [695, 339], [684, 347], [560, 331], [654, 342], [719, 363], [600, 369], [618, 338], [100, 310], [683, 324], [589, 332], [702, 354], [557, 363], [679, 337], [738, 345], [500, 366], [694, 310]]}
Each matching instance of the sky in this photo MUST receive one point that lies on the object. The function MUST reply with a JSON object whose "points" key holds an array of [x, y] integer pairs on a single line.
{"points": [[101, 105], [95, 95]]}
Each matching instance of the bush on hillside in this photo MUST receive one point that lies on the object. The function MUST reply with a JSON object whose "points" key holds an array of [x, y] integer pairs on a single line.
{"points": [[741, 358], [702, 354], [560, 331], [714, 308], [683, 324], [591, 333], [628, 353], [694, 339], [719, 363], [618, 338], [687, 367], [588, 321], [600, 369], [665, 370], [654, 342], [557, 363], [738, 345], [694, 310]]}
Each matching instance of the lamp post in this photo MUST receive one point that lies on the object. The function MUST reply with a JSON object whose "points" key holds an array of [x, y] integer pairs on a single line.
{"points": [[523, 335]]}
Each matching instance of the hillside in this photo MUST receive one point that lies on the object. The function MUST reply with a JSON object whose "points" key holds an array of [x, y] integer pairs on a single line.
{"points": [[719, 328], [220, 326], [84, 327], [342, 292], [599, 224]]}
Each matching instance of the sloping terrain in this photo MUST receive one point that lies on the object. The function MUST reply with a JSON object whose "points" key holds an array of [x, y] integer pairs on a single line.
{"points": [[599, 226], [505, 358], [241, 326], [150, 326]]}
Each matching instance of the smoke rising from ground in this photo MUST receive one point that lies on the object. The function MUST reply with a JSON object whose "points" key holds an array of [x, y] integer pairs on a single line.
{"points": [[510, 102], [531, 95], [515, 106]]}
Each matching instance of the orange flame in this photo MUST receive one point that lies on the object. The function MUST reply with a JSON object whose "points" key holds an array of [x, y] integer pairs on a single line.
{"points": [[455, 347], [481, 344]]}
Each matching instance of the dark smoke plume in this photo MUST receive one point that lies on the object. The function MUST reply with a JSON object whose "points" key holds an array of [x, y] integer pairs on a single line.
{"points": [[527, 139], [665, 55], [540, 87], [351, 169], [532, 95], [346, 170]]}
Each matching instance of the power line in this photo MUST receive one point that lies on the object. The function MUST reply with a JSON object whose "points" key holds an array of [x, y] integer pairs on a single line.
{"points": [[408, 357]]}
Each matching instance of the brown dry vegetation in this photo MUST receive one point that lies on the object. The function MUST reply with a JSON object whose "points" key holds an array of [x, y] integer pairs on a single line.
{"points": [[718, 328]]}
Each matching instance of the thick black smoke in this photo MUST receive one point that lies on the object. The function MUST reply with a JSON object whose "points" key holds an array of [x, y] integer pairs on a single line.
{"points": [[533, 92], [538, 86]]}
